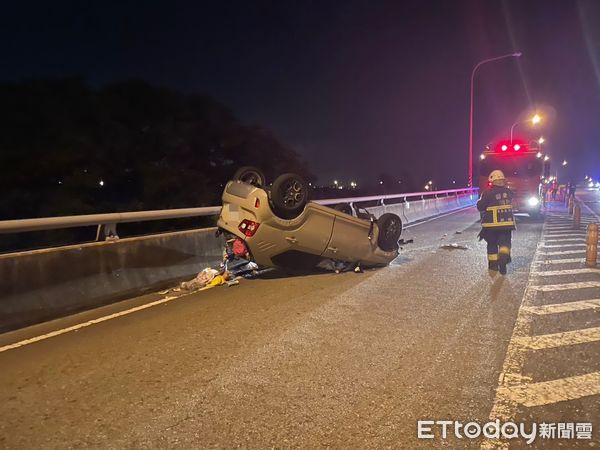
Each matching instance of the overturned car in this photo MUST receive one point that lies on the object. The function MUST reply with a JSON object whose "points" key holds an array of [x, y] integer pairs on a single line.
{"points": [[282, 228]]}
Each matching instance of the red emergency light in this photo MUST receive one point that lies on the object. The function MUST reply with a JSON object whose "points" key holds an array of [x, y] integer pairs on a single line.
{"points": [[508, 148]]}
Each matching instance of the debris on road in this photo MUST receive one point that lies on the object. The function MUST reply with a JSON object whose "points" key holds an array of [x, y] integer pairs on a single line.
{"points": [[334, 265], [201, 280], [454, 247]]}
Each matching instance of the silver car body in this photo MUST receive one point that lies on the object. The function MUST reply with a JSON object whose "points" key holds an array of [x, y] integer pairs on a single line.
{"points": [[318, 232]]}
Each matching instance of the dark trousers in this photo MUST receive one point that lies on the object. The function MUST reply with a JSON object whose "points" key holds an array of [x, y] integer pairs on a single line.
{"points": [[498, 246]]}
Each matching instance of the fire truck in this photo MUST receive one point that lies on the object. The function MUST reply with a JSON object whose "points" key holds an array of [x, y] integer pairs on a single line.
{"points": [[525, 169]]}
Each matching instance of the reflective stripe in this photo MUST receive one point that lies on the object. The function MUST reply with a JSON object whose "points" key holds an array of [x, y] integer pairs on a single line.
{"points": [[508, 223], [504, 249], [493, 257], [491, 208]]}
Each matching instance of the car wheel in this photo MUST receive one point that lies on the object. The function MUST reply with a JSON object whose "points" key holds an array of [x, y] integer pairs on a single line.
{"points": [[343, 207], [390, 228], [289, 195], [250, 175]]}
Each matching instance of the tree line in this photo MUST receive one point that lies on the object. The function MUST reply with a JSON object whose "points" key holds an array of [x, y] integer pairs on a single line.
{"points": [[67, 148]]}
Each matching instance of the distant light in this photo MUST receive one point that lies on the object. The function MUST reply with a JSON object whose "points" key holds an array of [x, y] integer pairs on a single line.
{"points": [[517, 147], [335, 182], [381, 182], [426, 187], [101, 182], [539, 154], [564, 163], [353, 184], [310, 184], [340, 187], [536, 119], [453, 181], [59, 181], [482, 156], [533, 201], [591, 184], [504, 147], [430, 182], [541, 140], [546, 158]]}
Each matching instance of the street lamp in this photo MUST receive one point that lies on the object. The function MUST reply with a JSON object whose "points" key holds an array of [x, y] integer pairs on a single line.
{"points": [[479, 64], [534, 121], [564, 163]]}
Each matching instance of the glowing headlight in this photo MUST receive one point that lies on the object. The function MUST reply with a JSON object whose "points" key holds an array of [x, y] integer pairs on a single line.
{"points": [[533, 201]]}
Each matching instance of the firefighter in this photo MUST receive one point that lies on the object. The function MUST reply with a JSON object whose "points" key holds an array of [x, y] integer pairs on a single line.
{"points": [[497, 221]]}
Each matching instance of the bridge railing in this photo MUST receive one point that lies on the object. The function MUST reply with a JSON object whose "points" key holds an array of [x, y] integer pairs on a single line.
{"points": [[42, 284], [107, 222]]}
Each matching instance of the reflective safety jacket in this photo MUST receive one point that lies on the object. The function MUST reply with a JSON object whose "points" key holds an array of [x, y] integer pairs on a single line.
{"points": [[495, 205]]}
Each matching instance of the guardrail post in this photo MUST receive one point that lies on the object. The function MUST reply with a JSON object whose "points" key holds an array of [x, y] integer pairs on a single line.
{"points": [[591, 251], [577, 217], [107, 232]]}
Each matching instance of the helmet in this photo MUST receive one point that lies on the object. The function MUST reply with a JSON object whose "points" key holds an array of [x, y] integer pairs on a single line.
{"points": [[496, 177]]}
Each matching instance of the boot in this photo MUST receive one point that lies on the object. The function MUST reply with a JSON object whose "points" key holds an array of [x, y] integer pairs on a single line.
{"points": [[503, 260]]}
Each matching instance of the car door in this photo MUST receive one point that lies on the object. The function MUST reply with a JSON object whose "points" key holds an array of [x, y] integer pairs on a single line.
{"points": [[350, 239]]}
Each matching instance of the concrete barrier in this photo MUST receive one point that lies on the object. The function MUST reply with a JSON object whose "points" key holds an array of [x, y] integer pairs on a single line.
{"points": [[417, 210], [44, 284]]}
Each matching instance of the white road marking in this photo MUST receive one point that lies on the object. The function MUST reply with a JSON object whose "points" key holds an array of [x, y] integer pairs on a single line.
{"points": [[514, 387], [94, 321], [567, 252], [591, 211], [566, 239], [545, 341], [562, 245], [566, 233], [557, 308], [562, 261], [504, 406], [554, 391], [567, 286], [552, 273]]}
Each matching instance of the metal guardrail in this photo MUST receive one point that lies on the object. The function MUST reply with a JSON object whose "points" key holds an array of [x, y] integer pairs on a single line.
{"points": [[107, 222]]}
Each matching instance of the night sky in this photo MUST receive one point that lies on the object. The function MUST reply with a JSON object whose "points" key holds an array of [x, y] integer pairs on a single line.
{"points": [[358, 88]]}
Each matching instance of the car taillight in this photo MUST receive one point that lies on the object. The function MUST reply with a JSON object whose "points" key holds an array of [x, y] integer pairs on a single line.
{"points": [[248, 227]]}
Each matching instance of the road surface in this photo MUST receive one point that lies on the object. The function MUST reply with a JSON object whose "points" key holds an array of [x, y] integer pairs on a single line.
{"points": [[321, 361]]}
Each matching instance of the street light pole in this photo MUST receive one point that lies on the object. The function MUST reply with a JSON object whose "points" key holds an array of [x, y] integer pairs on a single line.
{"points": [[479, 64], [534, 120], [511, 131]]}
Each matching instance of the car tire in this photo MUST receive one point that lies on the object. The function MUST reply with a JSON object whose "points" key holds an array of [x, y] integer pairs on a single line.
{"points": [[250, 175], [344, 207], [390, 228], [289, 195]]}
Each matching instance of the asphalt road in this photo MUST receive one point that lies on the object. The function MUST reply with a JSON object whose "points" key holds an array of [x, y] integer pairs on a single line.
{"points": [[339, 361]]}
